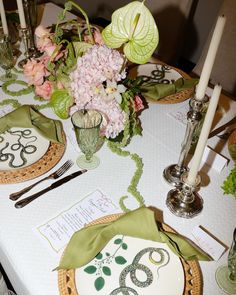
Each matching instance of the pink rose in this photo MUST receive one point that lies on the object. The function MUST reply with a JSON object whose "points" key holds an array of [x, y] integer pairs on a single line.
{"points": [[35, 72], [53, 51], [44, 90], [43, 38], [98, 38], [138, 103], [40, 31]]}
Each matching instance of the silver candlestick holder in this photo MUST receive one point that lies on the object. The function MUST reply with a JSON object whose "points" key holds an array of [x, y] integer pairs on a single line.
{"points": [[30, 11], [25, 39], [184, 201], [172, 174]]}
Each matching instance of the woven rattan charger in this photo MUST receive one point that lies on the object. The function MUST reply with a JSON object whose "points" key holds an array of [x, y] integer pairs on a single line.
{"points": [[192, 273], [43, 165], [174, 98]]}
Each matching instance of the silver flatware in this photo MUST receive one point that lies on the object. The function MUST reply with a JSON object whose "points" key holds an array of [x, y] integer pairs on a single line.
{"points": [[56, 184], [221, 128], [59, 172], [226, 135]]}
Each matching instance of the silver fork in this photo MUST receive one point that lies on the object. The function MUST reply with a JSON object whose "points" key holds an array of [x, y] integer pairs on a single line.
{"points": [[59, 172]]}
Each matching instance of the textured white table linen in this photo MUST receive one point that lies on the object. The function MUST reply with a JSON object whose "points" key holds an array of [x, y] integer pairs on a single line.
{"points": [[27, 261]]}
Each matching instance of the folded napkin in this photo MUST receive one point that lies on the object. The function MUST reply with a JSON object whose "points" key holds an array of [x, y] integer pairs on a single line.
{"points": [[157, 91], [88, 242], [27, 116]]}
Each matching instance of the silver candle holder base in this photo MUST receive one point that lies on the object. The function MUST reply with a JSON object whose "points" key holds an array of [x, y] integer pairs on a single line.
{"points": [[172, 174], [185, 201]]}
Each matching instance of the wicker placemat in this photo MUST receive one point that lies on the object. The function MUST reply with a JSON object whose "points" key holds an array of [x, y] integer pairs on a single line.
{"points": [[231, 142], [192, 272], [177, 97], [43, 165]]}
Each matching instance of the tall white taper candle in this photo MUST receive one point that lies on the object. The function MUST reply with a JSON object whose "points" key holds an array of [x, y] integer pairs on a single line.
{"points": [[21, 14], [3, 18], [197, 157], [210, 58]]}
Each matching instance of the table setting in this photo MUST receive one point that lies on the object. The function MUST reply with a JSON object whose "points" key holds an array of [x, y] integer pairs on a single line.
{"points": [[90, 110]]}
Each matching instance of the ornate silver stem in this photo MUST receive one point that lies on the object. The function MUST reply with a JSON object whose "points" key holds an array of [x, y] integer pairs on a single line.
{"points": [[25, 38], [30, 10], [172, 174], [184, 201]]}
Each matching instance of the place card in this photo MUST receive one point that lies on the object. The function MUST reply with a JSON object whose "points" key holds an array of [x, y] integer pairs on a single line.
{"points": [[214, 160], [180, 114], [58, 230], [207, 242]]}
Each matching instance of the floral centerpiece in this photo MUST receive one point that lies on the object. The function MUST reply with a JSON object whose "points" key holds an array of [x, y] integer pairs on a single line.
{"points": [[86, 71], [83, 68]]}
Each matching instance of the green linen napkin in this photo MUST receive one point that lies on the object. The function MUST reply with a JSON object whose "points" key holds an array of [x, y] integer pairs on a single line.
{"points": [[88, 242], [157, 91], [27, 116]]}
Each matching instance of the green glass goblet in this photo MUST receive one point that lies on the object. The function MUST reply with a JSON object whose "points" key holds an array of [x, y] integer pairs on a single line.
{"points": [[87, 130], [226, 274], [6, 58]]}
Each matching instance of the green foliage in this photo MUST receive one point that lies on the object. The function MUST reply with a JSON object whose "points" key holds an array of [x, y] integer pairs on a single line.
{"points": [[106, 270], [116, 148], [99, 256], [124, 246], [99, 283], [118, 241], [120, 260], [229, 185], [81, 47], [61, 101], [90, 269]]}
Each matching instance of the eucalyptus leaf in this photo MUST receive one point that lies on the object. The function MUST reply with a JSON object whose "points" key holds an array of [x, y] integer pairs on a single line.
{"points": [[61, 101], [134, 27]]}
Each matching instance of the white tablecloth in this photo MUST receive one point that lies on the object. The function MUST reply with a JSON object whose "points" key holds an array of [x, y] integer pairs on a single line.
{"points": [[27, 261]]}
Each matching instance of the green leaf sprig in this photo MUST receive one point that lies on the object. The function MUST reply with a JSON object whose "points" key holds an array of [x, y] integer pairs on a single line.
{"points": [[229, 185], [102, 260]]}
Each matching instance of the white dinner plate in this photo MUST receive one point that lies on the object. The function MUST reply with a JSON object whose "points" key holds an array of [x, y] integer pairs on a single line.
{"points": [[21, 147], [157, 73], [156, 269]]}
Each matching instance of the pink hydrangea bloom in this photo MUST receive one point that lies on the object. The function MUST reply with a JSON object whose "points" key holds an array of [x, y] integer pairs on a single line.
{"points": [[97, 66], [35, 72], [44, 90]]}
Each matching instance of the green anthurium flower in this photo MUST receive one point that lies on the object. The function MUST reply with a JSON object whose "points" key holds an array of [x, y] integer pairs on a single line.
{"points": [[61, 101], [134, 26]]}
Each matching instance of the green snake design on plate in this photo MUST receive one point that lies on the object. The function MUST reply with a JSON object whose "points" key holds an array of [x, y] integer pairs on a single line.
{"points": [[23, 149], [136, 265]]}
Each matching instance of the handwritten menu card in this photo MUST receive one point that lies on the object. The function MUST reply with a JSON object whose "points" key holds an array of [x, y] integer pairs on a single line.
{"points": [[59, 229]]}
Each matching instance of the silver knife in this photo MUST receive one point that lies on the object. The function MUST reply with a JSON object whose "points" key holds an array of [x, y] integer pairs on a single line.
{"points": [[55, 184], [221, 128]]}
